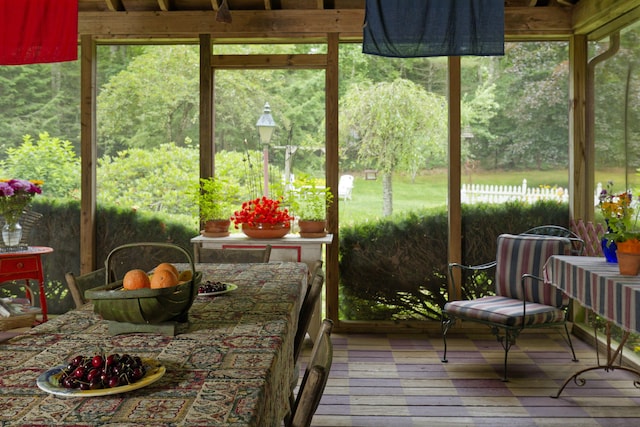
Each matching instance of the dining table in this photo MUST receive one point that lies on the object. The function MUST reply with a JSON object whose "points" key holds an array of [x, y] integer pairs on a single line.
{"points": [[230, 364], [598, 286]]}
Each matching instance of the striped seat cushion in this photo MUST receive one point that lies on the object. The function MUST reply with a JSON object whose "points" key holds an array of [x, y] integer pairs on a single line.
{"points": [[504, 311]]}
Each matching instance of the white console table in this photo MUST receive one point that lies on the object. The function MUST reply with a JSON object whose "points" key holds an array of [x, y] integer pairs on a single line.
{"points": [[291, 248]]}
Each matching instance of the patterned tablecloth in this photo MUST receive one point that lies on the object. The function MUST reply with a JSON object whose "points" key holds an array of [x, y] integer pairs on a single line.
{"points": [[598, 285], [229, 366]]}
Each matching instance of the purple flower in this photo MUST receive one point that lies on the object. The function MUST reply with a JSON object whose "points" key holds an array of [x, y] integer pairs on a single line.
{"points": [[6, 189]]}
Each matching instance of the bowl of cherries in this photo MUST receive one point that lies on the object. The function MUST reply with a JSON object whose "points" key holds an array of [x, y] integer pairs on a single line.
{"points": [[100, 374]]}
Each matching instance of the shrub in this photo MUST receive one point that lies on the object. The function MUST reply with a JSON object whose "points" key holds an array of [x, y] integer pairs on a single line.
{"points": [[397, 268]]}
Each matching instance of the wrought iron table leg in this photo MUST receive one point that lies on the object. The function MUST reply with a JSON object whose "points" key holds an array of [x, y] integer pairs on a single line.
{"points": [[610, 366]]}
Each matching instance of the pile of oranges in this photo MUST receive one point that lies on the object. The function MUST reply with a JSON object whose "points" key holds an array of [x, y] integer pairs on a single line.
{"points": [[165, 275]]}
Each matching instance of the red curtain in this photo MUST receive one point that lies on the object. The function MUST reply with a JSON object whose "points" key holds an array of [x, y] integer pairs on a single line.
{"points": [[36, 31]]}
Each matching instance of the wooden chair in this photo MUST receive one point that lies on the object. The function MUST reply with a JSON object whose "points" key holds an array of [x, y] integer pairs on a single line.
{"points": [[522, 299], [233, 256], [78, 284], [308, 305], [314, 380]]}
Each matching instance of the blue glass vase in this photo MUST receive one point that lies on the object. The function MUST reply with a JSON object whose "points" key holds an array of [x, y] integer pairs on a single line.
{"points": [[609, 250]]}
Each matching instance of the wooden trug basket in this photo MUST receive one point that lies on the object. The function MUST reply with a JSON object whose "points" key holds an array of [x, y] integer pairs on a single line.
{"points": [[145, 306]]}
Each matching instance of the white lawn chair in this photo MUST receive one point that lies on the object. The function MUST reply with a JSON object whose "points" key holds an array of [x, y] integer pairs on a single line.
{"points": [[345, 186]]}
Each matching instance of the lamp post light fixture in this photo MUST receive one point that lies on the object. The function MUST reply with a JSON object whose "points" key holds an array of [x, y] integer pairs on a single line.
{"points": [[265, 127]]}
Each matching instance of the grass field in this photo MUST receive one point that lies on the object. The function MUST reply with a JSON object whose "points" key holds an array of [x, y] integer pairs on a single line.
{"points": [[430, 189]]}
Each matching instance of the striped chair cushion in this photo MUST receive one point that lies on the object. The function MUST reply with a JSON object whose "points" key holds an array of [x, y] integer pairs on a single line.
{"points": [[527, 254], [504, 311]]}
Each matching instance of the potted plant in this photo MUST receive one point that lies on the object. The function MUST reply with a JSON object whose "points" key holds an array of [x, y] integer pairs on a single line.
{"points": [[263, 218], [216, 199], [621, 217], [309, 202]]}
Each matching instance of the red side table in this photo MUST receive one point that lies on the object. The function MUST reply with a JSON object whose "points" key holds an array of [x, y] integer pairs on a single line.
{"points": [[26, 265]]}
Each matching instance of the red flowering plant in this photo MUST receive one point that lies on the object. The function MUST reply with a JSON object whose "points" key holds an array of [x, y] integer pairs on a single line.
{"points": [[262, 210]]}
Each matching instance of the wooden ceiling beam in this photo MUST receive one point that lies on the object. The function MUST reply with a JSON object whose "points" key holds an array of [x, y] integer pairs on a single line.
{"points": [[540, 22], [598, 18]]}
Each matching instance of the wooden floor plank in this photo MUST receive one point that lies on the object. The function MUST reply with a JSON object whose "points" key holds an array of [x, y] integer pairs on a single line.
{"points": [[399, 380]]}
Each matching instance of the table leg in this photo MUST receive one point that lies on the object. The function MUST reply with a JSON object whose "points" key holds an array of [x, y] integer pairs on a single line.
{"points": [[43, 301], [609, 366]]}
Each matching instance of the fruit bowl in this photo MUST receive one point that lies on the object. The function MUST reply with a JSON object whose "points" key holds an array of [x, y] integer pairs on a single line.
{"points": [[145, 306]]}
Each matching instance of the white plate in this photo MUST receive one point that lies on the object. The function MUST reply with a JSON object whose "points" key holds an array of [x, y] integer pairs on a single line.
{"points": [[48, 382], [230, 287]]}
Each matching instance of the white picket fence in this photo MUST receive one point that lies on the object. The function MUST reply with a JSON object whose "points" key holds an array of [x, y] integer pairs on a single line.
{"points": [[476, 193]]}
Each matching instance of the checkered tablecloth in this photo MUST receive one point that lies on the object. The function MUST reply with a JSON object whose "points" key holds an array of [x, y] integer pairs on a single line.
{"points": [[599, 286]]}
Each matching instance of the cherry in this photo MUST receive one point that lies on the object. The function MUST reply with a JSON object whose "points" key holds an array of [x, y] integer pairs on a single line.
{"points": [[79, 372], [97, 361], [69, 382], [93, 374], [137, 373], [113, 382]]}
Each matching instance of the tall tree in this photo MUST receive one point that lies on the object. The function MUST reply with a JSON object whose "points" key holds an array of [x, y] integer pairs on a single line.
{"points": [[396, 125]]}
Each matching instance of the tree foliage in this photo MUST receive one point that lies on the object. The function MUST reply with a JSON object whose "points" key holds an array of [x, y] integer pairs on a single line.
{"points": [[394, 126], [49, 159]]}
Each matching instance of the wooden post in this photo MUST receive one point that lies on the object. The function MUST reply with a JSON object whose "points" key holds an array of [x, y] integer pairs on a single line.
{"points": [[455, 178], [88, 154]]}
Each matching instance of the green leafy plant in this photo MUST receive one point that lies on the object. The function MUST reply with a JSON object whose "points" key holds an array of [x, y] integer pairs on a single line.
{"points": [[217, 198], [620, 214], [308, 200]]}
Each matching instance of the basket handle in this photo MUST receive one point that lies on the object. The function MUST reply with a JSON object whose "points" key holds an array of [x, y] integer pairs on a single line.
{"points": [[107, 262]]}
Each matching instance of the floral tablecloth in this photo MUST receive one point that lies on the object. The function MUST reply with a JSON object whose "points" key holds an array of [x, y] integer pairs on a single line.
{"points": [[229, 366]]}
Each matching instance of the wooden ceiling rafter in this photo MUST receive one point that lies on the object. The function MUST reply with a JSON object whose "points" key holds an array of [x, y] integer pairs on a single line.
{"points": [[164, 5], [114, 5]]}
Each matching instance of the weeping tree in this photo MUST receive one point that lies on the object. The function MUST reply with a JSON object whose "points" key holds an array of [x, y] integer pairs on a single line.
{"points": [[393, 126]]}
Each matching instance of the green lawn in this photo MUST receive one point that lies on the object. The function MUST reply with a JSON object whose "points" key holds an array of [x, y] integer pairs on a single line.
{"points": [[430, 189]]}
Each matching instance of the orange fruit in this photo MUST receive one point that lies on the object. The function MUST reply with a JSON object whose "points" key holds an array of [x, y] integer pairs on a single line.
{"points": [[185, 276], [163, 279], [167, 266], [136, 279]]}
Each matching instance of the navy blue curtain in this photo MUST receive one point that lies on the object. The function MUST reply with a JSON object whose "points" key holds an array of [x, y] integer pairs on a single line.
{"points": [[421, 28]]}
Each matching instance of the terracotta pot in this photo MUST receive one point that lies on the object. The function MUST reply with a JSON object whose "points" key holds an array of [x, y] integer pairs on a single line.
{"points": [[312, 228], [216, 228], [267, 231], [629, 263], [629, 246]]}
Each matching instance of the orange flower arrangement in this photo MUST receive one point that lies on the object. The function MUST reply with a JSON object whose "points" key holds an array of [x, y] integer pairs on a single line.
{"points": [[618, 210]]}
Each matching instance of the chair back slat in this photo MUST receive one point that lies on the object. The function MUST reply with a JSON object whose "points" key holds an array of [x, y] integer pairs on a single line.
{"points": [[233, 256], [314, 380], [526, 254], [308, 305]]}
